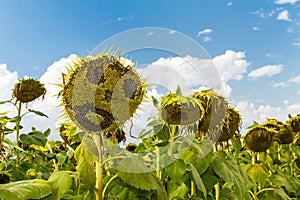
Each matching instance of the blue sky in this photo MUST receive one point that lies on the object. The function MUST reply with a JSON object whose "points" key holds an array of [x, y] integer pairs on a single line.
{"points": [[264, 34]]}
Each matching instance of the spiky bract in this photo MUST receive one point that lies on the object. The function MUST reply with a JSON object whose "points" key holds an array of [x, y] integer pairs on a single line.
{"points": [[27, 90], [100, 94]]}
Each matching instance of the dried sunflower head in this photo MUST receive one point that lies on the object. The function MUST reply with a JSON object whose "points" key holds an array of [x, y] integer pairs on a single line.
{"points": [[100, 93], [273, 124], [284, 135], [259, 139], [180, 110], [232, 123], [294, 123], [27, 90], [215, 106]]}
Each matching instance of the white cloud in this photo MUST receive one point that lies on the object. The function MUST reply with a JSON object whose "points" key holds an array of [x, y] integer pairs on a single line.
{"points": [[295, 79], [120, 19], [273, 56], [269, 70], [296, 44], [280, 84], [150, 33], [229, 4], [251, 112], [232, 65], [205, 31], [284, 15], [171, 32], [255, 28], [285, 1], [206, 39], [7, 80]]}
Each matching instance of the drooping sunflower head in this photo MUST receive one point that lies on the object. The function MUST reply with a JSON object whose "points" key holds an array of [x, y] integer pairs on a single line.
{"points": [[259, 138], [100, 93], [294, 123], [180, 110], [215, 106], [27, 90], [273, 124], [68, 133], [231, 126], [284, 135]]}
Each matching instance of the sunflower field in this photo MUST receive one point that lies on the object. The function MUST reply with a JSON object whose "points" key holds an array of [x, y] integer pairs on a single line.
{"points": [[193, 149]]}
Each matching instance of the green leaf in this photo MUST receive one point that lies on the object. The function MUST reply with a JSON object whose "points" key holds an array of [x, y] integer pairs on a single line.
{"points": [[176, 169], [227, 169], [178, 91], [3, 102], [30, 189], [258, 173], [209, 179], [47, 132], [291, 184], [85, 167], [61, 182], [198, 180], [155, 101], [38, 113], [61, 157], [180, 192], [36, 138], [274, 194]]}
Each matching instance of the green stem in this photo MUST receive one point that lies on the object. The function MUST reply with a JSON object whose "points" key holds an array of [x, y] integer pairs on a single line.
{"points": [[170, 149], [158, 171], [18, 131], [106, 186], [253, 158], [193, 188], [99, 168], [217, 189]]}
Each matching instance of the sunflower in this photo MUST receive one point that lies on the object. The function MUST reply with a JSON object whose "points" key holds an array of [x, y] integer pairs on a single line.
{"points": [[100, 93], [231, 124], [27, 90], [259, 138], [180, 110]]}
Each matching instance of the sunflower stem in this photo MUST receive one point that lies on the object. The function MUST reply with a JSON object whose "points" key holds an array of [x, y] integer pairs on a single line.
{"points": [[19, 107], [99, 168]]}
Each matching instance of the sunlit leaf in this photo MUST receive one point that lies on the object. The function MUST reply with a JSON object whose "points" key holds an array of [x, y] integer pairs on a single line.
{"points": [[38, 113]]}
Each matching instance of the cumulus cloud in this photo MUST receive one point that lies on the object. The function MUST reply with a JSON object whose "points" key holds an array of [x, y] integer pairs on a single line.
{"points": [[269, 70], [285, 2], [284, 16], [280, 84], [7, 80], [251, 112]]}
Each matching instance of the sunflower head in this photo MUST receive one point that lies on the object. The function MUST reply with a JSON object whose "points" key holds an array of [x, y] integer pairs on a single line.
{"points": [[294, 123], [68, 133], [215, 106], [27, 90], [31, 174], [231, 126], [273, 124], [259, 139], [285, 135], [100, 93], [180, 110]]}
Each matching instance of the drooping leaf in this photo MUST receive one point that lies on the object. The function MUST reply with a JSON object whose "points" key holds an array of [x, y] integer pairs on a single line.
{"points": [[180, 192], [176, 169], [85, 167], [60, 181], [29, 189], [155, 101], [227, 169], [38, 113], [274, 194], [291, 184], [61, 157], [36, 138], [198, 180], [258, 173]]}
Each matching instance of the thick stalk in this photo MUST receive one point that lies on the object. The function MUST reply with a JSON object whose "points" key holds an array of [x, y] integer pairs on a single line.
{"points": [[217, 189], [158, 171], [99, 167], [170, 149], [193, 188], [18, 131]]}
